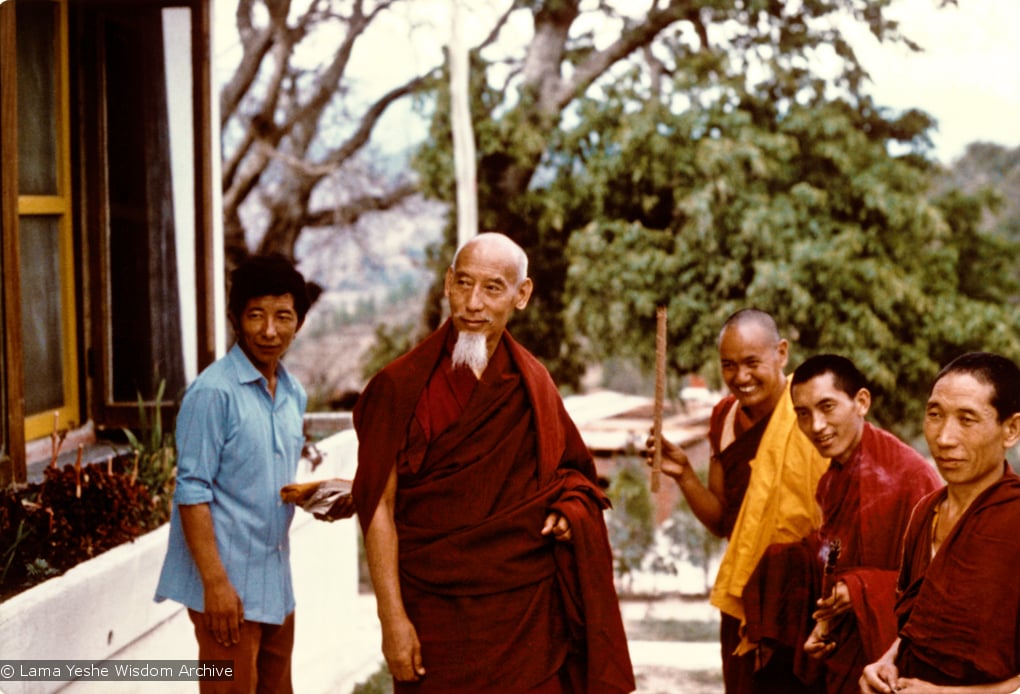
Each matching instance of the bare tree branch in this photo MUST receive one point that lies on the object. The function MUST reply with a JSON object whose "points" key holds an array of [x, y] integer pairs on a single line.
{"points": [[632, 38], [374, 112], [350, 213], [256, 45], [498, 26]]}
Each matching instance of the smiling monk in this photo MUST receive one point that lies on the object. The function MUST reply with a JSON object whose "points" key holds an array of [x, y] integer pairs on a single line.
{"points": [[866, 496], [761, 484]]}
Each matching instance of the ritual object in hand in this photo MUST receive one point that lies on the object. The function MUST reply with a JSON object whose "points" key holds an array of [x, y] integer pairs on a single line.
{"points": [[317, 496]]}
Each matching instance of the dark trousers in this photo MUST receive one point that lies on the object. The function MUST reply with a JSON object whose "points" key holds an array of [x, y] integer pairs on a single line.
{"points": [[261, 658]]}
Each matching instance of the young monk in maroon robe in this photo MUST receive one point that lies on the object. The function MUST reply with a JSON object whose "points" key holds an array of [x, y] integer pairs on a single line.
{"points": [[834, 592], [761, 484], [480, 507], [959, 602]]}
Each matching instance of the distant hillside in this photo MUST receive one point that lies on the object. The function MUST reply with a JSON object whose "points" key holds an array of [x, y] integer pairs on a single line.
{"points": [[373, 274], [986, 165]]}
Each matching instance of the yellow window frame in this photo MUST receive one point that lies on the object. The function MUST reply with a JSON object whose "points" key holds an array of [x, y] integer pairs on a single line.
{"points": [[41, 424]]}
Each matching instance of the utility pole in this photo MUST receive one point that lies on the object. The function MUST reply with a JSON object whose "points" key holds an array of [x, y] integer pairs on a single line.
{"points": [[463, 133]]}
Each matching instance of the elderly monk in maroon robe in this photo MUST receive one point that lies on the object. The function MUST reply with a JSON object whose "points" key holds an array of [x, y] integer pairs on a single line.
{"points": [[761, 484], [959, 593], [480, 507], [834, 592]]}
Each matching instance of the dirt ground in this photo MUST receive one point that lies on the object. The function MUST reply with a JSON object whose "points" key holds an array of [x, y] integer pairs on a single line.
{"points": [[666, 680], [678, 621]]}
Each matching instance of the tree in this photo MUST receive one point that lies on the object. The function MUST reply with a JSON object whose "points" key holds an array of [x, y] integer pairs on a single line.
{"points": [[989, 175], [297, 132], [675, 49], [295, 138], [688, 541], [630, 524], [800, 210]]}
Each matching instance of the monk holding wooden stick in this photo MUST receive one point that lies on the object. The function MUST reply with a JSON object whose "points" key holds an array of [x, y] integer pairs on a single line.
{"points": [[761, 478]]}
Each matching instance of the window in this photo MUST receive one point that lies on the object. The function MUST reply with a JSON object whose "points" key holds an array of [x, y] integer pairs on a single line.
{"points": [[140, 238], [108, 266], [47, 278]]}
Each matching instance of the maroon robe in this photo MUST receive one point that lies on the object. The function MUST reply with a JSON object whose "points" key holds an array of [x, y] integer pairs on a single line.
{"points": [[959, 611], [736, 458], [866, 505], [497, 606], [735, 461]]}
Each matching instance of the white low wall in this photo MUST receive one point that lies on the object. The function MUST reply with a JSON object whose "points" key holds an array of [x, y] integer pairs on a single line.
{"points": [[88, 613], [104, 606]]}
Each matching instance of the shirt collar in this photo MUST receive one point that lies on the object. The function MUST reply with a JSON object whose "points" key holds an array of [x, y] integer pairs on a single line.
{"points": [[246, 371]]}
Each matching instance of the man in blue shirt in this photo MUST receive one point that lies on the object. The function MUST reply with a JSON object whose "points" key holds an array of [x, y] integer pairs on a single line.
{"points": [[239, 438]]}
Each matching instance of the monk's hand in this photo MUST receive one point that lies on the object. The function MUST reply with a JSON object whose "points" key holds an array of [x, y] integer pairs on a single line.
{"points": [[402, 650], [909, 685], [819, 644], [880, 677], [342, 508], [837, 603], [557, 525], [674, 459]]}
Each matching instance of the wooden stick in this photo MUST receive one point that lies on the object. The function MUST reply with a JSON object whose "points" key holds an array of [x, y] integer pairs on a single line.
{"points": [[77, 472], [660, 393], [55, 440]]}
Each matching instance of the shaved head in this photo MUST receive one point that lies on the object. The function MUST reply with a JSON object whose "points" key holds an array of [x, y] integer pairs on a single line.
{"points": [[493, 241], [746, 317]]}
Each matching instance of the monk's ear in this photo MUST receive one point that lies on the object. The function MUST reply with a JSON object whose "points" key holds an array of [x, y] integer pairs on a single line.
{"points": [[1011, 428], [783, 350], [524, 293], [863, 401]]}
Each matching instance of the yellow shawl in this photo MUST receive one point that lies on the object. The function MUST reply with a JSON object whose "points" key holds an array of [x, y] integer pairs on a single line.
{"points": [[779, 505]]}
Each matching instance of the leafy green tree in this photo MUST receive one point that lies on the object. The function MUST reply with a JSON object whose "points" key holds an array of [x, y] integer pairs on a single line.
{"points": [[631, 522], [679, 50], [991, 174], [799, 210], [690, 541]]}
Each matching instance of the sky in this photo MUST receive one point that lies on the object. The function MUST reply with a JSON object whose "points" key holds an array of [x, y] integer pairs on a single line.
{"points": [[967, 77]]}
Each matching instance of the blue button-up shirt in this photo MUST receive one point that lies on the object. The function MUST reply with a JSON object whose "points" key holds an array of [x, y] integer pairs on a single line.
{"points": [[236, 446]]}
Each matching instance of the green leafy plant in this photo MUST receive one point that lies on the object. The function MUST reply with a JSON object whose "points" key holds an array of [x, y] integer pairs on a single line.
{"points": [[40, 569], [155, 455], [688, 541], [631, 523], [381, 682]]}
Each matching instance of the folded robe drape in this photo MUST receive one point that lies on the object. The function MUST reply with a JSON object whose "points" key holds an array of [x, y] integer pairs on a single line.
{"points": [[959, 611], [779, 504], [866, 505], [498, 606]]}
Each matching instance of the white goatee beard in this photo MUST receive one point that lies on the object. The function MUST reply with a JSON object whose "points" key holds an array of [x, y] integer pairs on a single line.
{"points": [[471, 351]]}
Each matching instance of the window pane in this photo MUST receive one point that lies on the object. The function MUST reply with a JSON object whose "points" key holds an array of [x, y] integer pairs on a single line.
{"points": [[145, 320], [41, 317], [37, 105]]}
